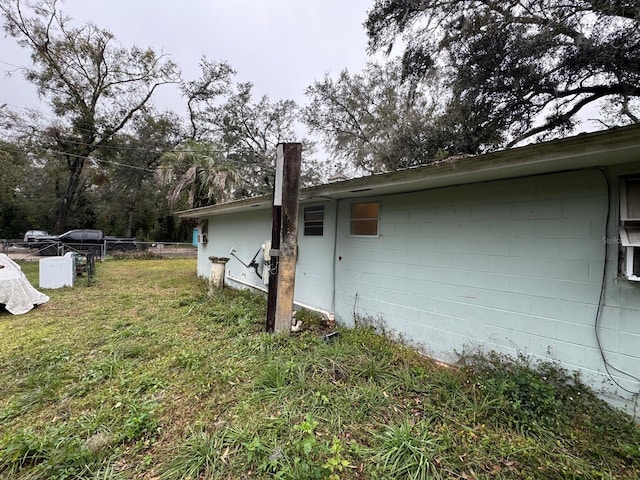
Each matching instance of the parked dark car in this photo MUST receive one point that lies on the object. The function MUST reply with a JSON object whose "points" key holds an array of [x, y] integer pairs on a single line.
{"points": [[85, 240]]}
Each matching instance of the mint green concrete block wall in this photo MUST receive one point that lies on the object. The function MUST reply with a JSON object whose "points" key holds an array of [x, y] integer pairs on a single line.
{"points": [[314, 269], [514, 266], [246, 231]]}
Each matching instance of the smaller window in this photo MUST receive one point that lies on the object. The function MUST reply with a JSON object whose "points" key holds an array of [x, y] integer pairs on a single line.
{"points": [[364, 218], [314, 220], [203, 232], [630, 199], [203, 226]]}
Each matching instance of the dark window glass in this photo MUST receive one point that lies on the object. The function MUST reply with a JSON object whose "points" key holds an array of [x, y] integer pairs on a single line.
{"points": [[633, 198], [636, 261], [314, 220]]}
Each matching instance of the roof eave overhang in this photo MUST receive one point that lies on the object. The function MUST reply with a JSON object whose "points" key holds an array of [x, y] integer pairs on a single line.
{"points": [[599, 149], [243, 205]]}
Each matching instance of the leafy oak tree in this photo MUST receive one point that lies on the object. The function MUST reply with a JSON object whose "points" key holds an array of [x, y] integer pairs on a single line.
{"points": [[374, 120], [13, 165], [128, 199], [518, 69], [27, 186], [250, 131], [204, 94], [246, 130], [94, 87]]}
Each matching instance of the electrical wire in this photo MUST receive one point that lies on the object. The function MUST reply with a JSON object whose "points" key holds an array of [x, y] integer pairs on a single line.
{"points": [[181, 150], [227, 159], [124, 165], [607, 365], [267, 168], [238, 158], [65, 154], [121, 148], [228, 155], [12, 65]]}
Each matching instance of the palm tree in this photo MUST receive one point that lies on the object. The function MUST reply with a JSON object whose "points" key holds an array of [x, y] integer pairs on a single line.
{"points": [[201, 170]]}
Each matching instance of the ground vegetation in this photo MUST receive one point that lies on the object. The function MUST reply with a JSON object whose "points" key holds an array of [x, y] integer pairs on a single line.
{"points": [[142, 374]]}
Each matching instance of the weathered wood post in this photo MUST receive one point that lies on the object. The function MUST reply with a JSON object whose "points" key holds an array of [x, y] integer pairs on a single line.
{"points": [[291, 155]]}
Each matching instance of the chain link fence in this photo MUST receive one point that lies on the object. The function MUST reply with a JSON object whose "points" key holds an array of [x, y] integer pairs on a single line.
{"points": [[20, 250]]}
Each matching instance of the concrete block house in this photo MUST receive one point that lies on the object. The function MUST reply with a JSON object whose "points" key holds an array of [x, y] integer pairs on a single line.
{"points": [[532, 250]]}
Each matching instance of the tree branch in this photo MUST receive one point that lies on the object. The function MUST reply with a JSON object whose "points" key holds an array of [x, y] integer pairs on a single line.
{"points": [[557, 120]]}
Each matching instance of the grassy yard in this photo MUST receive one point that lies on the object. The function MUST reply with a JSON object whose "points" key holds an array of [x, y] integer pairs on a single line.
{"points": [[141, 375]]}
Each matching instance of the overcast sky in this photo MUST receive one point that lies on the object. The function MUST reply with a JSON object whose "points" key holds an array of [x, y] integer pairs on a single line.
{"points": [[281, 46]]}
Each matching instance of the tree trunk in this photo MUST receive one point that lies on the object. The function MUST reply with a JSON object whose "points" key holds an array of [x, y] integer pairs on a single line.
{"points": [[129, 227], [75, 174]]}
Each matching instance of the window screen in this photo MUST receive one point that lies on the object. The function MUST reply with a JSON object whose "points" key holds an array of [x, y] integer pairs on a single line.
{"points": [[364, 218], [314, 220]]}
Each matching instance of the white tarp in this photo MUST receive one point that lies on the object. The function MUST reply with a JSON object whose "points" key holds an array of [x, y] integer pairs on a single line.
{"points": [[16, 293]]}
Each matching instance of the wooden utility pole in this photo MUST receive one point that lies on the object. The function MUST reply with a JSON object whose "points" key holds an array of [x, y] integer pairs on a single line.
{"points": [[280, 306]]}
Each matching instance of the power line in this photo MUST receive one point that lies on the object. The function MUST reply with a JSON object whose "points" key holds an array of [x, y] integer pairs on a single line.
{"points": [[125, 165], [237, 157], [52, 118], [12, 65], [135, 167], [120, 148], [99, 160]]}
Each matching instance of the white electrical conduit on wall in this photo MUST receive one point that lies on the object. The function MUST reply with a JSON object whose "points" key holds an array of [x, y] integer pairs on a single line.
{"points": [[330, 316]]}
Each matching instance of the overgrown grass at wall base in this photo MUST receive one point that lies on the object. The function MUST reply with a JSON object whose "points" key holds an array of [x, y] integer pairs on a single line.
{"points": [[144, 375]]}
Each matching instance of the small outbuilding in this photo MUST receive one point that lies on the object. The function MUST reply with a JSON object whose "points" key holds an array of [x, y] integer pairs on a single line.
{"points": [[532, 250]]}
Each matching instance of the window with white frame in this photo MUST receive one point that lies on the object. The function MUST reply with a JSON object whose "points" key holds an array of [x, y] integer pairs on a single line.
{"points": [[203, 231], [364, 219], [630, 227]]}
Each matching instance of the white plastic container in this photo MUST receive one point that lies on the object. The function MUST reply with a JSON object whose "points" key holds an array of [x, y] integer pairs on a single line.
{"points": [[58, 272]]}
